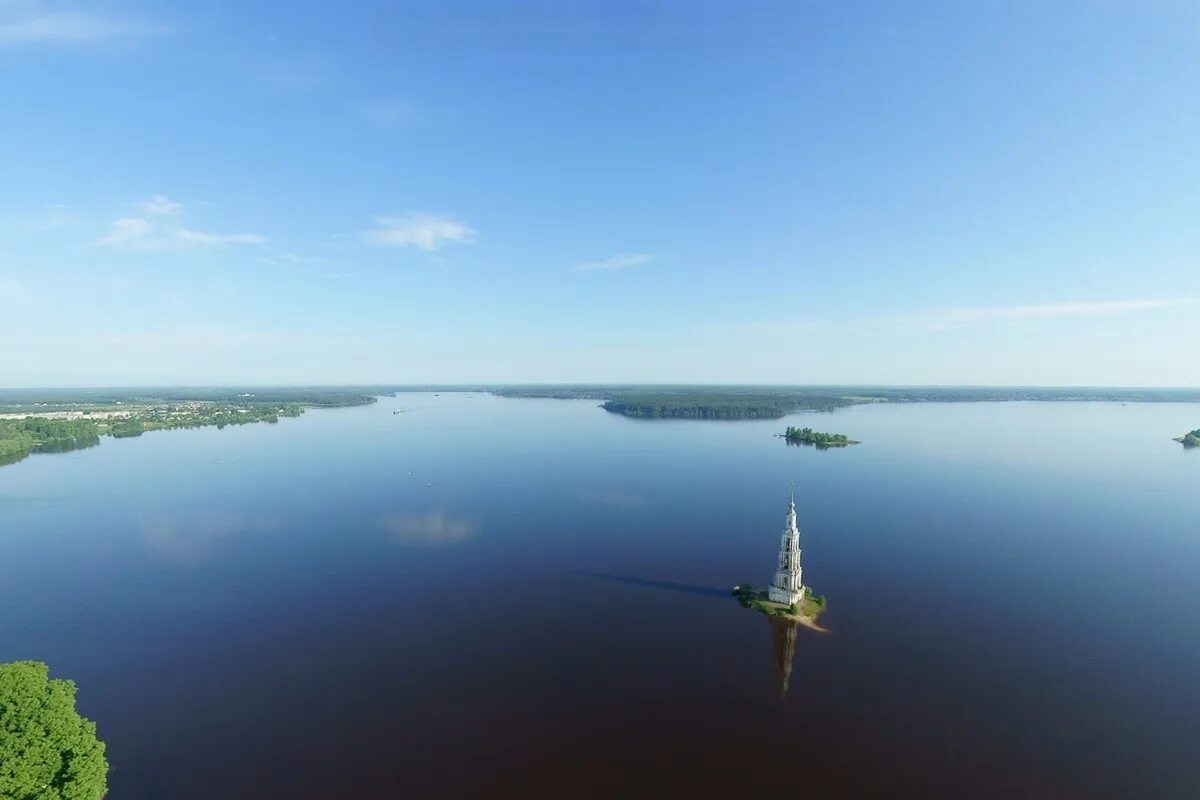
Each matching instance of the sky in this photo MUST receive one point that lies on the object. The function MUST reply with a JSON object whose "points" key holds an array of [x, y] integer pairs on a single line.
{"points": [[1001, 193]]}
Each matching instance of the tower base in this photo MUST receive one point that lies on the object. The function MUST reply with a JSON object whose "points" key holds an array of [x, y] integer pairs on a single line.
{"points": [[777, 595]]}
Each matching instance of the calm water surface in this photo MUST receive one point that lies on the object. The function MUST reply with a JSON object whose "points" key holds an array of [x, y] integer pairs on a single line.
{"points": [[482, 596]]}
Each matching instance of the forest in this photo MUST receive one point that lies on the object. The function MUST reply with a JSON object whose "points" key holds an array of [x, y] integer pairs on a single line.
{"points": [[727, 406], [123, 415], [20, 437]]}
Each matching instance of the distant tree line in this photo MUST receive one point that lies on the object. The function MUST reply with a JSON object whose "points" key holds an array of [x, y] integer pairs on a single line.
{"points": [[20, 437], [207, 415], [719, 406], [40, 399], [845, 394]]}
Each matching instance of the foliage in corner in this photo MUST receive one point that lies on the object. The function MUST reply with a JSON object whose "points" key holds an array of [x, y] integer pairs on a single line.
{"points": [[47, 751]]}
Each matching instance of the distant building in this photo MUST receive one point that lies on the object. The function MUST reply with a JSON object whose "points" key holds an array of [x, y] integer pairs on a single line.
{"points": [[787, 588]]}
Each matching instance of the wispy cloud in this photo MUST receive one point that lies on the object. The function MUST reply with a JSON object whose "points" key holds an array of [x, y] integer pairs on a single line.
{"points": [[390, 114], [295, 260], [37, 26], [126, 232], [619, 261], [957, 318], [420, 230], [147, 234], [948, 318], [49, 218], [188, 236], [160, 204]]}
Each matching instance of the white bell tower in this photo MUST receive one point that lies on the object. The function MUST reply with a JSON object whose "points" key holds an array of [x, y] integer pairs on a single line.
{"points": [[787, 587]]}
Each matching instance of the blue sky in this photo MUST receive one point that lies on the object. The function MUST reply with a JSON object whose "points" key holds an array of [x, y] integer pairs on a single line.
{"points": [[793, 192]]}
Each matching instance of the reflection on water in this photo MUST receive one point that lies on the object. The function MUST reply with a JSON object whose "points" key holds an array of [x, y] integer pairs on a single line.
{"points": [[55, 446], [67, 445], [434, 526], [783, 648], [625, 501], [815, 445], [190, 540]]}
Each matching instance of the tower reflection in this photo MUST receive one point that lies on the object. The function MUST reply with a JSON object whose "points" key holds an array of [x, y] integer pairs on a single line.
{"points": [[783, 645]]}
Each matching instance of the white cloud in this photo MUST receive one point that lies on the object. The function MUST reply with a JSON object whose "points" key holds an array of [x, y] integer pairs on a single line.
{"points": [[619, 261], [941, 319], [160, 204], [147, 233], [127, 232], [69, 26], [391, 114], [138, 233], [197, 237], [423, 231], [287, 260]]}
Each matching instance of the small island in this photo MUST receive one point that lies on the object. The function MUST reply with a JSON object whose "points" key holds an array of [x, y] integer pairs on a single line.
{"points": [[805, 611], [1190, 439], [822, 441]]}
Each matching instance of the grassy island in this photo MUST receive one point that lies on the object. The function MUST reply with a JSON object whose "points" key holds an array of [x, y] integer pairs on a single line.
{"points": [[819, 440], [1190, 439], [806, 612]]}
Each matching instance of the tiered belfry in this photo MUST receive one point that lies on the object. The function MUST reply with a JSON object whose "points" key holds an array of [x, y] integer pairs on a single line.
{"points": [[787, 587]]}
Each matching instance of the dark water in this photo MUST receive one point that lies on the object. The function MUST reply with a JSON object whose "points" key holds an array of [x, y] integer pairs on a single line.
{"points": [[540, 606]]}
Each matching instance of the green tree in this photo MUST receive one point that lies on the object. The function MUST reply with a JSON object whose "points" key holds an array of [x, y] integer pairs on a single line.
{"points": [[47, 751]]}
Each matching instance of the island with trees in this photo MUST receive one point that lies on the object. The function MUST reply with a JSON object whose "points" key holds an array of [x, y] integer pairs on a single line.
{"points": [[47, 750], [723, 405], [806, 612], [819, 440], [1190, 439]]}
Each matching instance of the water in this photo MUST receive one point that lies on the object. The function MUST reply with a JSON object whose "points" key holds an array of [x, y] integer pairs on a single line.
{"points": [[483, 596]]}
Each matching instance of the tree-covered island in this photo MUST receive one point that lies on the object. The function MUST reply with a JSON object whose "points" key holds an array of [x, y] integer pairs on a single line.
{"points": [[724, 405], [821, 441], [1190, 439]]}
